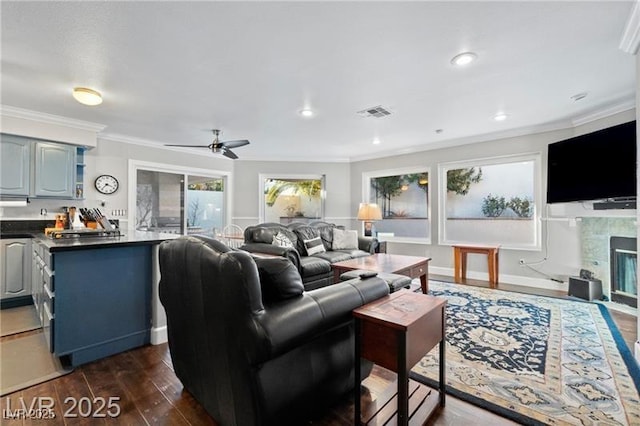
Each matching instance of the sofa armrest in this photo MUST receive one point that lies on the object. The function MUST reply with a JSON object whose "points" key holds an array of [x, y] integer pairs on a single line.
{"points": [[293, 322], [368, 244], [288, 252]]}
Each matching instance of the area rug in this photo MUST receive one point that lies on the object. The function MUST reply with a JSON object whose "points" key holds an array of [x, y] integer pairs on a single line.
{"points": [[534, 359], [26, 361], [18, 320]]}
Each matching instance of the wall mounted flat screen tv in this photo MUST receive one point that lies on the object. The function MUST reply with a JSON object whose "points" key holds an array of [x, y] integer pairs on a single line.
{"points": [[595, 166]]}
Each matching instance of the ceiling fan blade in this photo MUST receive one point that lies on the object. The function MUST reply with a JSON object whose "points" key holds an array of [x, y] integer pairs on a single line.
{"points": [[235, 144], [190, 146], [228, 153]]}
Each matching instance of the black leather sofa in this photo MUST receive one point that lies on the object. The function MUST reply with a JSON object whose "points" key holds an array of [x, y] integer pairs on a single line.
{"points": [[246, 340], [315, 269]]}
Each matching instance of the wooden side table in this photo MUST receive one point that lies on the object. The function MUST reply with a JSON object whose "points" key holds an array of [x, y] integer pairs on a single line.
{"points": [[395, 332], [460, 261]]}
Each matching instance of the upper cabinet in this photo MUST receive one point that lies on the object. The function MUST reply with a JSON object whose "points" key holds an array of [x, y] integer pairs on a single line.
{"points": [[54, 170], [15, 160], [37, 168]]}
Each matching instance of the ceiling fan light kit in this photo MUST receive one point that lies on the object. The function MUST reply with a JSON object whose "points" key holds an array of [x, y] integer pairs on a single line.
{"points": [[218, 146]]}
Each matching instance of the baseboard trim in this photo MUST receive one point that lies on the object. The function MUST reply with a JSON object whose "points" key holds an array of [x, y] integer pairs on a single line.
{"points": [[506, 279], [159, 335]]}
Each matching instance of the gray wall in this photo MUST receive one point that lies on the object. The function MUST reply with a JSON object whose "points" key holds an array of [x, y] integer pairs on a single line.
{"points": [[337, 208], [560, 236]]}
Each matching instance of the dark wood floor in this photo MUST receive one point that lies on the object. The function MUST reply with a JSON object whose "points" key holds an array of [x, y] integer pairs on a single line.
{"points": [[150, 393]]}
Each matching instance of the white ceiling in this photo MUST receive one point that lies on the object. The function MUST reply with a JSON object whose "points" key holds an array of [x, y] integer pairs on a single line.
{"points": [[172, 71]]}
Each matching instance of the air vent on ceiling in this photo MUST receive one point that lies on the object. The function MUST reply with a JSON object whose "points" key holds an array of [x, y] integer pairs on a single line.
{"points": [[376, 111]]}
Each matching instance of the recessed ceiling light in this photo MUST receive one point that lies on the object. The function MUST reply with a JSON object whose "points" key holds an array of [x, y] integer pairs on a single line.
{"points": [[87, 96], [463, 59], [500, 116], [306, 112], [376, 141]]}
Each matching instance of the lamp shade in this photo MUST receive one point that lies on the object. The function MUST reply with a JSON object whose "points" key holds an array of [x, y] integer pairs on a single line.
{"points": [[369, 212]]}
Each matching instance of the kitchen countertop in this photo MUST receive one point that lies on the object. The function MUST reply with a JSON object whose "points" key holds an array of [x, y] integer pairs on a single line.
{"points": [[129, 237]]}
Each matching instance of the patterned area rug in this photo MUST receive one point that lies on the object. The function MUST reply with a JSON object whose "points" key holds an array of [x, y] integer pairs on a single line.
{"points": [[534, 359]]}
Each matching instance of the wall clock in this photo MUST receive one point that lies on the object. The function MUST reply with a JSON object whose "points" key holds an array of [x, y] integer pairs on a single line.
{"points": [[106, 184]]}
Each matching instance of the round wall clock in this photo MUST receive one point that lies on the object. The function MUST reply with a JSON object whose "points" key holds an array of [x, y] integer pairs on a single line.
{"points": [[106, 184]]}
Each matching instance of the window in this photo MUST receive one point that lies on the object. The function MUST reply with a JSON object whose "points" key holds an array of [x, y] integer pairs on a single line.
{"points": [[291, 198], [403, 198], [491, 201], [168, 199]]}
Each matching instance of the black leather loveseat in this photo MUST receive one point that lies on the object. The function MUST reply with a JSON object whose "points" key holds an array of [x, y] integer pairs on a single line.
{"points": [[315, 269], [246, 340]]}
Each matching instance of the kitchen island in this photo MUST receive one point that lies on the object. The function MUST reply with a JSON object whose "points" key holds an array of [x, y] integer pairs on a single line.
{"points": [[97, 296]]}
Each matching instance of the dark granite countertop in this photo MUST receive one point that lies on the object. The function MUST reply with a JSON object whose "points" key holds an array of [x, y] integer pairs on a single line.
{"points": [[128, 238]]}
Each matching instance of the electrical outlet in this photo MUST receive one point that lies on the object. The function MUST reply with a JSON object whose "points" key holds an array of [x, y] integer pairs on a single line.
{"points": [[521, 261]]}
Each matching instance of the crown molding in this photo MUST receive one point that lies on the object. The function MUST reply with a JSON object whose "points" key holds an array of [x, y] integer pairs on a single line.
{"points": [[623, 106], [630, 42], [15, 112]]}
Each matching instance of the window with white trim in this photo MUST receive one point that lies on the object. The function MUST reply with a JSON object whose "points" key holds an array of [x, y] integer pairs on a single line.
{"points": [[491, 201], [403, 197]]}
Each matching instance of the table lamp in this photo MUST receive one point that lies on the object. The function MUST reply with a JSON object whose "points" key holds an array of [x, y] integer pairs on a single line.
{"points": [[369, 212]]}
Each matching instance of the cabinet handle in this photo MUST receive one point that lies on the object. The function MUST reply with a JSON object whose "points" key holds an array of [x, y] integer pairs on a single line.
{"points": [[49, 292]]}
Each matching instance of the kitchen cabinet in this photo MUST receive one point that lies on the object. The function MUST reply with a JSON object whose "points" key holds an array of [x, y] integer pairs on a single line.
{"points": [[15, 267], [37, 168], [15, 160], [54, 170]]}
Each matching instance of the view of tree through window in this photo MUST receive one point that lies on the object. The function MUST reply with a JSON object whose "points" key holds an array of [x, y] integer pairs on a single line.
{"points": [[491, 201], [403, 199], [292, 199]]}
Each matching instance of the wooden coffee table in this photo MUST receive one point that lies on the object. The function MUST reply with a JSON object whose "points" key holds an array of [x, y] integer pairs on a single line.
{"points": [[410, 266]]}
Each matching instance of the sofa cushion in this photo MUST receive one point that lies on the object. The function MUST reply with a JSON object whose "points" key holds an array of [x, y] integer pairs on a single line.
{"points": [[262, 235], [314, 246], [303, 233], [326, 233], [333, 256], [312, 265], [279, 279], [281, 240], [354, 253], [344, 239]]}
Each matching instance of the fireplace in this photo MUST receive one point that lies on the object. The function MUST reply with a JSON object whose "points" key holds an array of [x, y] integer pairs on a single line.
{"points": [[623, 263]]}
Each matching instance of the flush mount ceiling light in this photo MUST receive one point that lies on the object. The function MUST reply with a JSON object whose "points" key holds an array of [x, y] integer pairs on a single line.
{"points": [[501, 116], [306, 112], [376, 141], [87, 96], [463, 59]]}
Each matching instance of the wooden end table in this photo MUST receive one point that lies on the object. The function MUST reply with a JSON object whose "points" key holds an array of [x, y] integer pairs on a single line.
{"points": [[410, 266], [395, 332], [460, 261]]}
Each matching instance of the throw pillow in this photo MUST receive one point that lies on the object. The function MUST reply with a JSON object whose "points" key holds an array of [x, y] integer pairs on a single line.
{"points": [[281, 240], [279, 278], [344, 240], [314, 246]]}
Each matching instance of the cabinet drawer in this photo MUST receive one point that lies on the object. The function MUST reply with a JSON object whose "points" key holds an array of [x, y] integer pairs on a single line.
{"points": [[49, 299], [418, 271], [48, 277], [47, 326]]}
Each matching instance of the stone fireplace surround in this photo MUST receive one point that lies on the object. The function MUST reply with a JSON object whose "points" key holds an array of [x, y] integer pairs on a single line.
{"points": [[595, 234]]}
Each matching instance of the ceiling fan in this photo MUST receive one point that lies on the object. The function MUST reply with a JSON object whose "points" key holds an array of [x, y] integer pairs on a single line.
{"points": [[218, 146]]}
